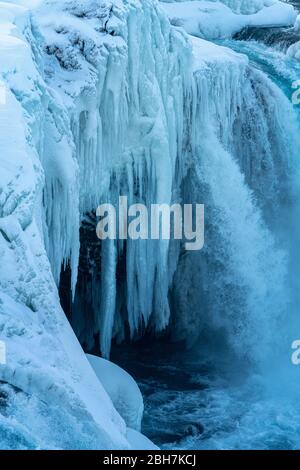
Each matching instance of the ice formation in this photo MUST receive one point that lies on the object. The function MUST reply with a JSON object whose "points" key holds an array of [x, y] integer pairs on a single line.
{"points": [[108, 98]]}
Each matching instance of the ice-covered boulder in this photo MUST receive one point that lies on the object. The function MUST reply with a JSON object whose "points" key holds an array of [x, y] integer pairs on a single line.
{"points": [[138, 441], [121, 388]]}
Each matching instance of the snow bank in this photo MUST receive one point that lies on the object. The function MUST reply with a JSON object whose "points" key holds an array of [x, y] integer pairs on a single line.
{"points": [[61, 402], [122, 389], [215, 20]]}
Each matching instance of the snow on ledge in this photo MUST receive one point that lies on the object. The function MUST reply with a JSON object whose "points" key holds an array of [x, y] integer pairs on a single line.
{"points": [[214, 20]]}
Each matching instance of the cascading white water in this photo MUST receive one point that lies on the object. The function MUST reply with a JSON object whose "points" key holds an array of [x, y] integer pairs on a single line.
{"points": [[243, 269]]}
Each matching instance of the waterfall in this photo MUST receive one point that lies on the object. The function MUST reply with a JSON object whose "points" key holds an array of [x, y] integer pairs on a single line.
{"points": [[234, 146], [242, 272], [160, 124]]}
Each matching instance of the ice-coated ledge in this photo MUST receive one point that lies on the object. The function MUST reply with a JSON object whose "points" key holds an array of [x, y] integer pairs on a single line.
{"points": [[205, 53]]}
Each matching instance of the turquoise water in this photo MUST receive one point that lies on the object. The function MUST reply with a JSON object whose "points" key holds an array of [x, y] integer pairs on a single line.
{"points": [[280, 68]]}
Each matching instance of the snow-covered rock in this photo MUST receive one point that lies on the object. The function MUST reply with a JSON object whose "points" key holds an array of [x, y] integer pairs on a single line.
{"points": [[241, 6], [122, 389], [212, 20]]}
